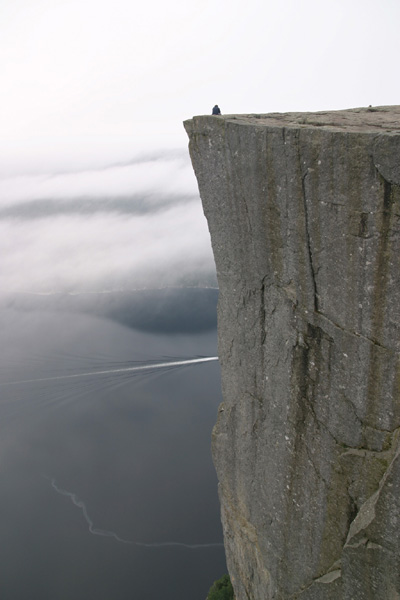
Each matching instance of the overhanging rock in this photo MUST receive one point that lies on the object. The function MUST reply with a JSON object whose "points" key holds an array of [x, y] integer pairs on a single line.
{"points": [[304, 215]]}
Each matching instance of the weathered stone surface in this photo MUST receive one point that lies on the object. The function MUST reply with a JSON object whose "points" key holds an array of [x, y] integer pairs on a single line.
{"points": [[304, 216]]}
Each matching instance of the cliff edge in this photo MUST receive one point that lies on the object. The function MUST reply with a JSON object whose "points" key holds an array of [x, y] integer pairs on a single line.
{"points": [[304, 215]]}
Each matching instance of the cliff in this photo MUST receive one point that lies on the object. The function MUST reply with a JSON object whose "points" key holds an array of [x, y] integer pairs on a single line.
{"points": [[304, 215]]}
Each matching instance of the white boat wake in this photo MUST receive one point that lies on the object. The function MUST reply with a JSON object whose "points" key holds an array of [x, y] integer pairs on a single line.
{"points": [[135, 369], [111, 534]]}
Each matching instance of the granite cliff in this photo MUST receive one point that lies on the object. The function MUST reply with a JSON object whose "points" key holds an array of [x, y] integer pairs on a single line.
{"points": [[304, 215]]}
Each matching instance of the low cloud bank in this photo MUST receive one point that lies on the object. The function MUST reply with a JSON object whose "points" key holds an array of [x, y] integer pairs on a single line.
{"points": [[124, 227], [155, 176]]}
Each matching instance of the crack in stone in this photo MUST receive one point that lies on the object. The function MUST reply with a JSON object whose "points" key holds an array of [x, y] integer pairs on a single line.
{"points": [[353, 408], [347, 449], [366, 514], [370, 545], [303, 313], [356, 334], [329, 577], [306, 226], [308, 242], [319, 423], [363, 452], [262, 316], [318, 472]]}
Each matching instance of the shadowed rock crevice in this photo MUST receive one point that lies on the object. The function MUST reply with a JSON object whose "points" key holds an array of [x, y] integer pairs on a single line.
{"points": [[304, 217], [308, 240]]}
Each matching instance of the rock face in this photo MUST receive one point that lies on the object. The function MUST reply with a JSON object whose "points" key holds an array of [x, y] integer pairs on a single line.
{"points": [[304, 216]]}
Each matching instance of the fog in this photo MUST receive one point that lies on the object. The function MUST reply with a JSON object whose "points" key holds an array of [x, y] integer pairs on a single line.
{"points": [[167, 174], [122, 227]]}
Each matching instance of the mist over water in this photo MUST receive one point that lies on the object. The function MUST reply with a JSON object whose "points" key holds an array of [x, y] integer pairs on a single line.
{"points": [[107, 314], [123, 227]]}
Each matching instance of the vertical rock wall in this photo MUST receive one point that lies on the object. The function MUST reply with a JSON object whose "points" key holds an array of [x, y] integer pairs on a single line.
{"points": [[304, 216]]}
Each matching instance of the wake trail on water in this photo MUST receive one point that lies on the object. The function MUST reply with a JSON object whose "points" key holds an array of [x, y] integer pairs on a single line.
{"points": [[76, 501], [122, 370]]}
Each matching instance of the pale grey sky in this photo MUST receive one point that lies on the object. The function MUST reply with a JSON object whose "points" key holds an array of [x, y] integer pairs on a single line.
{"points": [[93, 80]]}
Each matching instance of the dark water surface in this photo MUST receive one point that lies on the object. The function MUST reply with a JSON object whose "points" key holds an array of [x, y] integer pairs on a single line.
{"points": [[91, 468]]}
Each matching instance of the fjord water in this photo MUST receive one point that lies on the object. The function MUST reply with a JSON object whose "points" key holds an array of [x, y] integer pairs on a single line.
{"points": [[133, 447], [107, 488]]}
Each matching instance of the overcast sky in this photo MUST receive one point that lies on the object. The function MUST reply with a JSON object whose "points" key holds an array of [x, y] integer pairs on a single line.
{"points": [[86, 80]]}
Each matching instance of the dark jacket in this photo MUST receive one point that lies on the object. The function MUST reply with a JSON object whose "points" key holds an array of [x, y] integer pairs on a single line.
{"points": [[216, 110]]}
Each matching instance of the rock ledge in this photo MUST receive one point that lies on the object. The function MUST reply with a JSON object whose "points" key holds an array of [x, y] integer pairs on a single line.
{"points": [[304, 215]]}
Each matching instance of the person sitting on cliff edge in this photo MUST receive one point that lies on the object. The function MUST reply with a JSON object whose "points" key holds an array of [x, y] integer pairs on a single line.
{"points": [[216, 110]]}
